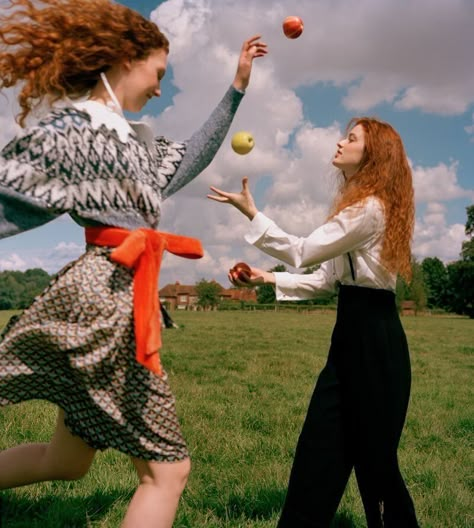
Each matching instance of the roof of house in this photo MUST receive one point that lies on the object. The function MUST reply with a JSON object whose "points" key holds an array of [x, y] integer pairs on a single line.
{"points": [[234, 294], [173, 290], [241, 294]]}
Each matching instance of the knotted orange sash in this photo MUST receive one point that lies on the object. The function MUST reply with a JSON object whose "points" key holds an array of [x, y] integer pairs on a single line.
{"points": [[142, 250]]}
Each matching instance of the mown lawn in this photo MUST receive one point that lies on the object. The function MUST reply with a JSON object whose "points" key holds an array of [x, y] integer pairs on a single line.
{"points": [[243, 381]]}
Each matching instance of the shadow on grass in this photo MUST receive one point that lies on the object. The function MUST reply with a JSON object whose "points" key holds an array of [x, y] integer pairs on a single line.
{"points": [[344, 520], [265, 504], [55, 511]]}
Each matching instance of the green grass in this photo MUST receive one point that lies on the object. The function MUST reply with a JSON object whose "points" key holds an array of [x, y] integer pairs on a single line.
{"points": [[242, 382]]}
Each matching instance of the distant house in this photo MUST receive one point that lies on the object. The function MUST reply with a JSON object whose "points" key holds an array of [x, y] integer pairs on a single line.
{"points": [[239, 294], [408, 308], [179, 296]]}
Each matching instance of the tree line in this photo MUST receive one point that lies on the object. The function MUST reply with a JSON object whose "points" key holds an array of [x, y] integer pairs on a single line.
{"points": [[19, 288], [434, 285]]}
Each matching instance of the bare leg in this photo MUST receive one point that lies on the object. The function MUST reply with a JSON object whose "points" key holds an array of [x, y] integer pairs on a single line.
{"points": [[155, 501], [66, 457]]}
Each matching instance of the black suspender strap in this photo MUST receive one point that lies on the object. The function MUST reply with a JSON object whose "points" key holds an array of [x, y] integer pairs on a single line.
{"points": [[352, 267]]}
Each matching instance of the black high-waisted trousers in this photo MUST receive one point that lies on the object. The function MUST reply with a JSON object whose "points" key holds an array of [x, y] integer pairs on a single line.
{"points": [[355, 419]]}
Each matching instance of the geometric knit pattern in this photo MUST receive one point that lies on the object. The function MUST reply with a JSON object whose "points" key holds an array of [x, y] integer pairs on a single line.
{"points": [[75, 347], [66, 165]]}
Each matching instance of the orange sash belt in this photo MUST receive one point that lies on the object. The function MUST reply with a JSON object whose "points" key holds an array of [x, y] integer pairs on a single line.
{"points": [[142, 250]]}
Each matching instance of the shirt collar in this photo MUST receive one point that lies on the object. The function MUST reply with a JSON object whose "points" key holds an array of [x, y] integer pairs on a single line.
{"points": [[103, 115]]}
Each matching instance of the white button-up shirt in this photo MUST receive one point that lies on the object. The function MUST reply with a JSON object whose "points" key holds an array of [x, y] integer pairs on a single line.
{"points": [[356, 232]]}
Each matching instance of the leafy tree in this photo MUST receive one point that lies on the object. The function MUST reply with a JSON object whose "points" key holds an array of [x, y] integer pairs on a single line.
{"points": [[208, 293], [467, 251], [460, 297], [18, 288], [266, 292], [8, 291], [401, 292], [414, 291], [436, 280], [461, 287]]}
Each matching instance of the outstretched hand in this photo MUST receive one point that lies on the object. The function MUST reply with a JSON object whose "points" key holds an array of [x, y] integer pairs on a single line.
{"points": [[251, 49], [256, 277], [243, 201]]}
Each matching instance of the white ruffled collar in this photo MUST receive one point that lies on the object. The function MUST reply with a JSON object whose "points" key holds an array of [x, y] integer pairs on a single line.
{"points": [[110, 115], [101, 114]]}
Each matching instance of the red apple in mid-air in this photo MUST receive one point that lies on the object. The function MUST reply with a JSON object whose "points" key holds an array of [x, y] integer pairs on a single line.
{"points": [[293, 26], [241, 271]]}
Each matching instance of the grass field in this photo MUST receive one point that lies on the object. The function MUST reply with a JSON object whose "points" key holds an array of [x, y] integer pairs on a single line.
{"points": [[242, 382]]}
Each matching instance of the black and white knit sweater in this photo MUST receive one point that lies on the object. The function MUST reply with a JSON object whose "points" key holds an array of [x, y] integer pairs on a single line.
{"points": [[85, 160]]}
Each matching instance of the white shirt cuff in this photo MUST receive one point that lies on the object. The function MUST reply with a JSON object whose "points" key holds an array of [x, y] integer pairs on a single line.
{"points": [[285, 286], [258, 226]]}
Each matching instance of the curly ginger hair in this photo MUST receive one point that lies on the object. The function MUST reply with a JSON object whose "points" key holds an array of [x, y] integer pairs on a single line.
{"points": [[58, 48], [384, 172]]}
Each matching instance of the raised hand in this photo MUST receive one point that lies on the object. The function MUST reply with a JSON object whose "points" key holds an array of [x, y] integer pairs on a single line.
{"points": [[243, 201], [251, 49]]}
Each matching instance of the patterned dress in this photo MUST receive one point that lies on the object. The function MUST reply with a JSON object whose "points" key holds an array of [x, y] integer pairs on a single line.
{"points": [[74, 346]]}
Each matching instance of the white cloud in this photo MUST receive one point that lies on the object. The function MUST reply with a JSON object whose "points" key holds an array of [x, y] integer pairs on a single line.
{"points": [[67, 249], [63, 253], [434, 237], [438, 183], [12, 262], [412, 54], [49, 259]]}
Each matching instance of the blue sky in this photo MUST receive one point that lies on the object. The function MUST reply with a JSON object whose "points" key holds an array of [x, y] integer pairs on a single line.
{"points": [[407, 62]]}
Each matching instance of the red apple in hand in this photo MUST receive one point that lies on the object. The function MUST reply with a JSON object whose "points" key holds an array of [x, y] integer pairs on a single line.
{"points": [[241, 271], [293, 27]]}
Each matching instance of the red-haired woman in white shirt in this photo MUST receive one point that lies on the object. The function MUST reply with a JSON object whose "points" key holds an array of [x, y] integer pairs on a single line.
{"points": [[356, 414]]}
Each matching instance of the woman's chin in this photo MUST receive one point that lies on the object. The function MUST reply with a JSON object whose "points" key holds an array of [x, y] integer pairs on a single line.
{"points": [[135, 108]]}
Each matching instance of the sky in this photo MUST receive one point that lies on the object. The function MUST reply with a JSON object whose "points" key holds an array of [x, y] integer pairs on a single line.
{"points": [[408, 62]]}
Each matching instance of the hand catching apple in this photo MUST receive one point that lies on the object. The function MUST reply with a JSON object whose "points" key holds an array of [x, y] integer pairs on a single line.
{"points": [[242, 142], [242, 201], [241, 271], [244, 275], [251, 49]]}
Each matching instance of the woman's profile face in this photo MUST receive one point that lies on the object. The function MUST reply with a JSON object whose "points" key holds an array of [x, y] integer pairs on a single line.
{"points": [[142, 80], [350, 151]]}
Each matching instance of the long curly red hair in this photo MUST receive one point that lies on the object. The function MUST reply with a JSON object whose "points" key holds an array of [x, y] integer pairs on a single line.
{"points": [[384, 172], [58, 48]]}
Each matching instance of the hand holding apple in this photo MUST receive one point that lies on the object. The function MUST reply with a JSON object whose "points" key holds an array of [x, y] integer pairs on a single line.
{"points": [[293, 27], [244, 275], [242, 142], [241, 271]]}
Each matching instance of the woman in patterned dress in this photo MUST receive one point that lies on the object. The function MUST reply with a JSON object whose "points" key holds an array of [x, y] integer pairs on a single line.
{"points": [[358, 408], [76, 344]]}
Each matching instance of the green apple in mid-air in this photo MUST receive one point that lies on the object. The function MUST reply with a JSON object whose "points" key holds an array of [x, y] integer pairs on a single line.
{"points": [[242, 142]]}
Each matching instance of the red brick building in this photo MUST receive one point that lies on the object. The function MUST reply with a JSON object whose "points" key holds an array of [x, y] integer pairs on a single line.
{"points": [[179, 296]]}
